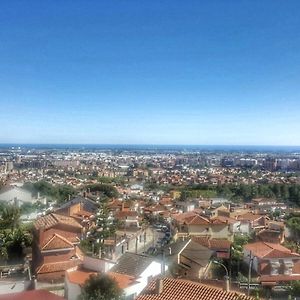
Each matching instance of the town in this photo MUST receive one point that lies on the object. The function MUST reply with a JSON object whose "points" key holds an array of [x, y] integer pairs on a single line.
{"points": [[151, 220]]}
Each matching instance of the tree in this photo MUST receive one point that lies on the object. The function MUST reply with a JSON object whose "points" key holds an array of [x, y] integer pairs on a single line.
{"points": [[100, 287], [106, 189], [10, 217], [104, 226], [294, 288], [294, 225]]}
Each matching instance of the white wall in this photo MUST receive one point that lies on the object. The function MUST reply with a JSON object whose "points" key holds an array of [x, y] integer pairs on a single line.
{"points": [[96, 264], [72, 290], [153, 270]]}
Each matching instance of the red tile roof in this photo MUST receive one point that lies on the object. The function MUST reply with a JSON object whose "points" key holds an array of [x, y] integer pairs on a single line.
{"points": [[31, 295], [178, 289], [57, 242], [122, 280], [215, 244], [58, 266], [269, 250], [249, 217], [79, 276], [278, 278], [52, 219]]}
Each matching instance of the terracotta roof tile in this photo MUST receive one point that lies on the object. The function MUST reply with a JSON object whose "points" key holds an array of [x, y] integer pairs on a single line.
{"points": [[122, 280], [187, 290], [31, 295], [52, 219], [57, 242], [58, 266], [269, 250], [214, 244], [79, 276]]}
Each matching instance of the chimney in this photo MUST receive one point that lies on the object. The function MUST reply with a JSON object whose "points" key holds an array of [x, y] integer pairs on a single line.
{"points": [[159, 286]]}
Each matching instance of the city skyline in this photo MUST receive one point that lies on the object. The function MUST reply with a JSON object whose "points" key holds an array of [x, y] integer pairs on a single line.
{"points": [[198, 73]]}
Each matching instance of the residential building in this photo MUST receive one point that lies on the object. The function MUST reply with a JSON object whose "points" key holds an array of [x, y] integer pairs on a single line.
{"points": [[55, 246], [272, 262]]}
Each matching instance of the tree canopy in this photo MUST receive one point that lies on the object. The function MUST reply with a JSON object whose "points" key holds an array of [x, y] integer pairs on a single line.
{"points": [[60, 193], [101, 287], [106, 189]]}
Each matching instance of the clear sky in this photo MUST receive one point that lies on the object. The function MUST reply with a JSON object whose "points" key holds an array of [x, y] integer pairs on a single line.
{"points": [[150, 72]]}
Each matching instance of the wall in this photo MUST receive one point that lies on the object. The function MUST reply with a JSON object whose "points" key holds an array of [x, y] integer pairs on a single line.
{"points": [[215, 231], [98, 265], [72, 290]]}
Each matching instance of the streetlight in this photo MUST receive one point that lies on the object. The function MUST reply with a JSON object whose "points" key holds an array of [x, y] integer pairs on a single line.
{"points": [[227, 287]]}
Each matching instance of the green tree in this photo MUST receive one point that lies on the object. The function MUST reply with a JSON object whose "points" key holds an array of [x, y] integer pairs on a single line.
{"points": [[104, 225], [293, 224], [100, 287], [10, 217], [105, 189], [294, 288]]}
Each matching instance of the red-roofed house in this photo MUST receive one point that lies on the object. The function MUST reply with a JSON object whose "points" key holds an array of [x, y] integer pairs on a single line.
{"points": [[273, 262], [197, 225], [55, 246]]}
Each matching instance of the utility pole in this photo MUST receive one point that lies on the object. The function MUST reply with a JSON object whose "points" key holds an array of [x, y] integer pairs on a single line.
{"points": [[249, 273]]}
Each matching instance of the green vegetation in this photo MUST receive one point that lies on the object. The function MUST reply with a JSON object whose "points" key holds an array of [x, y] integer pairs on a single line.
{"points": [[294, 288], [104, 189], [13, 238], [59, 193], [109, 180], [10, 218], [245, 192], [196, 193], [237, 253], [293, 224], [100, 287]]}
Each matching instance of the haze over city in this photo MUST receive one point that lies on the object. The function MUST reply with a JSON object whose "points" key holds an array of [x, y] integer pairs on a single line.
{"points": [[150, 72]]}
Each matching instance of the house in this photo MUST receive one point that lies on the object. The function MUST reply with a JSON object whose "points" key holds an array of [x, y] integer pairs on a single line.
{"points": [[250, 222], [129, 218], [55, 240], [31, 295], [185, 206], [171, 289], [76, 205], [221, 247], [266, 205], [80, 208], [77, 276], [140, 267], [273, 263], [274, 233], [194, 260], [132, 239], [197, 225]]}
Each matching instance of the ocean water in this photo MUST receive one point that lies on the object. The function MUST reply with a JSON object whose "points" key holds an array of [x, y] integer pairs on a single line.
{"points": [[155, 148]]}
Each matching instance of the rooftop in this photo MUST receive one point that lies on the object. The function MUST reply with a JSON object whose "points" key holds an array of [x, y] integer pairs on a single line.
{"points": [[182, 290]]}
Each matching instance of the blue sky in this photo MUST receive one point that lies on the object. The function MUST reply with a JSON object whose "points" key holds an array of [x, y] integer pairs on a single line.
{"points": [[150, 72]]}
